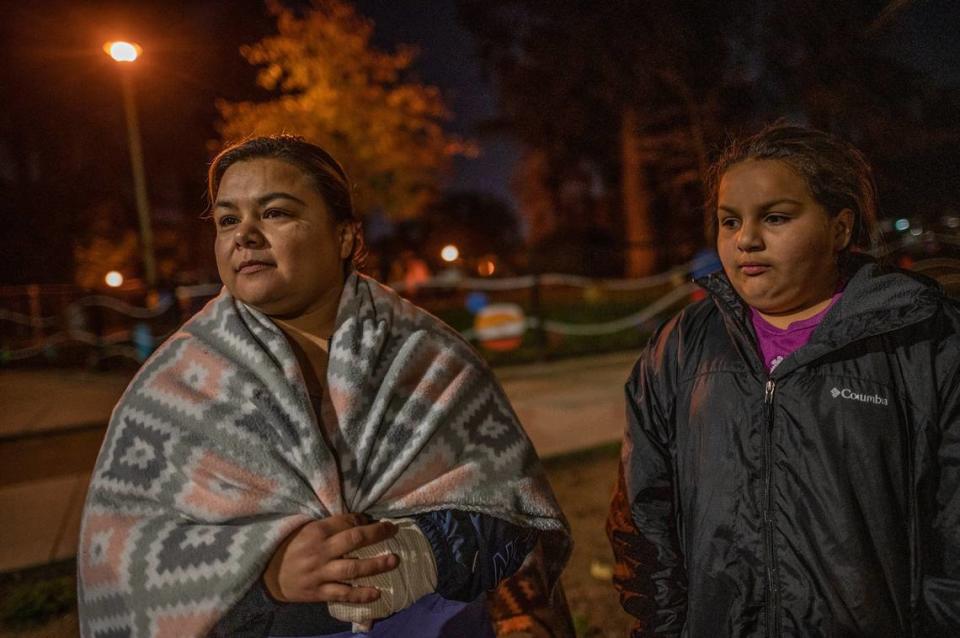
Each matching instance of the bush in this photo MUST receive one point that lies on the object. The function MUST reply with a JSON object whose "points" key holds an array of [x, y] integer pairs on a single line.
{"points": [[34, 603]]}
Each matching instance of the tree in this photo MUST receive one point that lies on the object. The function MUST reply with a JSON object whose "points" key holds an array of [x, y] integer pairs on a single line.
{"points": [[359, 103], [646, 91], [628, 87]]}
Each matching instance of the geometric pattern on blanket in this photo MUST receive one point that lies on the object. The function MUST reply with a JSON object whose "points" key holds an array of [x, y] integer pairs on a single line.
{"points": [[214, 454]]}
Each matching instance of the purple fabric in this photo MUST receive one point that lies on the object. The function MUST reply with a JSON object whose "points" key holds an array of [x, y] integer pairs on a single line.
{"points": [[777, 344], [431, 617]]}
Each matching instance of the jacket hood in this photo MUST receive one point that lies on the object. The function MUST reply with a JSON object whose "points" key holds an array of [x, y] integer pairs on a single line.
{"points": [[875, 300]]}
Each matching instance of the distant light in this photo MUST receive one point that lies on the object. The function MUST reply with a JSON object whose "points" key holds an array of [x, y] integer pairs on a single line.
{"points": [[123, 51], [114, 279], [486, 268], [902, 224], [916, 232], [952, 222], [450, 253]]}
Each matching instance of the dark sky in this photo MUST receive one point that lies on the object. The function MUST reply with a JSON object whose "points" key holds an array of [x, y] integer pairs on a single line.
{"points": [[62, 99], [924, 35], [192, 59], [63, 110], [53, 58]]}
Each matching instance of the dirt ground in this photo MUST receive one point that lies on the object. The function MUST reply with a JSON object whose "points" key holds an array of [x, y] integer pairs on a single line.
{"points": [[583, 483]]}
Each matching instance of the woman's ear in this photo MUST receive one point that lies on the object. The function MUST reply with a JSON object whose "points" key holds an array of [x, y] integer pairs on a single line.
{"points": [[348, 238], [842, 224]]}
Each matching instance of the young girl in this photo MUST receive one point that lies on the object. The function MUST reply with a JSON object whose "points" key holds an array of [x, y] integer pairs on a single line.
{"points": [[791, 464]]}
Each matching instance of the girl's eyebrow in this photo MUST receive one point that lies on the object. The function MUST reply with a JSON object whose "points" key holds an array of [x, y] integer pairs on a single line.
{"points": [[764, 206], [782, 200]]}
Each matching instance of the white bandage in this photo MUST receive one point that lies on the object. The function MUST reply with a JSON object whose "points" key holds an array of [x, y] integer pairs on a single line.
{"points": [[414, 577]]}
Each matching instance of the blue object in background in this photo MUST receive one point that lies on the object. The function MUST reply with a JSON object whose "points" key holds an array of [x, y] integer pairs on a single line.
{"points": [[705, 262], [477, 301], [142, 340]]}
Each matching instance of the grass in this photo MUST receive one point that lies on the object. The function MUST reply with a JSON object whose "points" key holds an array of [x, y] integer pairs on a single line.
{"points": [[31, 600], [568, 305]]}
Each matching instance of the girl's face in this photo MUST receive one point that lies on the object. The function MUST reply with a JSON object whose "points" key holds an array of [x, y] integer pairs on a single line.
{"points": [[778, 246], [278, 248]]}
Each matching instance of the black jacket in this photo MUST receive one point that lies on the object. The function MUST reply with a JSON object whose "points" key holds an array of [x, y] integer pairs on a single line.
{"points": [[820, 500]]}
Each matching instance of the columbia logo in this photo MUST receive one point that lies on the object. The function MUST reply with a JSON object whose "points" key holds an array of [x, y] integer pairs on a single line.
{"points": [[847, 393]]}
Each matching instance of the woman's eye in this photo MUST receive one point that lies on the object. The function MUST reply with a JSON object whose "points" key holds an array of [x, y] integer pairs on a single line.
{"points": [[776, 218], [730, 222], [226, 220], [274, 212]]}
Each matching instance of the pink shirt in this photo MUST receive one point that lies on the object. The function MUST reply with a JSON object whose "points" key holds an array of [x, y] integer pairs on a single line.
{"points": [[777, 344]]}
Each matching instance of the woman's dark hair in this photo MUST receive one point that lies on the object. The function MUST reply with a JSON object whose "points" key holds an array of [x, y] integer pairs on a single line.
{"points": [[837, 174], [328, 177]]}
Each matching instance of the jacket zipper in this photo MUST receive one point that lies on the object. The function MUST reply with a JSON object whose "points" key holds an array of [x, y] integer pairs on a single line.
{"points": [[773, 602]]}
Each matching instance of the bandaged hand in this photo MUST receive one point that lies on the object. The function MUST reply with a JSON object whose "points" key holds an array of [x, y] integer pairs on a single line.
{"points": [[308, 567], [414, 577]]}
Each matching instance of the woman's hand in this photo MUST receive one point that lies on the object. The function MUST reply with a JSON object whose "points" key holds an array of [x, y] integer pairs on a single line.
{"points": [[308, 567]]}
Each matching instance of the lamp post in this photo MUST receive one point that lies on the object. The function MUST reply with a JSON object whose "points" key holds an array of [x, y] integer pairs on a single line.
{"points": [[126, 53]]}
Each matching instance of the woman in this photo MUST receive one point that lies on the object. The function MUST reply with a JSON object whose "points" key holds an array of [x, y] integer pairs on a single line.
{"points": [[791, 463], [310, 455]]}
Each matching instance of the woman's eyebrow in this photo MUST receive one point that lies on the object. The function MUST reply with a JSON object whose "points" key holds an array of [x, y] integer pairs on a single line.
{"points": [[263, 199]]}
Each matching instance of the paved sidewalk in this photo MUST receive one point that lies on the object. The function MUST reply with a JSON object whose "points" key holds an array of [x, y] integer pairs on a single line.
{"points": [[52, 423]]}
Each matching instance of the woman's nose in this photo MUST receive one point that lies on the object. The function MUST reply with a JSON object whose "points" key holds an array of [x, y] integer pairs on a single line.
{"points": [[248, 234]]}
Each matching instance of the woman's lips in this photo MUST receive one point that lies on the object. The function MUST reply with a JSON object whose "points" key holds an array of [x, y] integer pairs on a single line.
{"points": [[752, 270], [251, 267]]}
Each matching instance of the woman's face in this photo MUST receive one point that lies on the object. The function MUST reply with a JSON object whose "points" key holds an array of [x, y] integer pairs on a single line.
{"points": [[778, 246], [277, 247]]}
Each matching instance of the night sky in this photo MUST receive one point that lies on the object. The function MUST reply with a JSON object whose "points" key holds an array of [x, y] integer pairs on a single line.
{"points": [[62, 97]]}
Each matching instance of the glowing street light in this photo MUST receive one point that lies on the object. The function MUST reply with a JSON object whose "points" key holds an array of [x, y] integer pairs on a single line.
{"points": [[125, 53], [114, 279], [449, 253]]}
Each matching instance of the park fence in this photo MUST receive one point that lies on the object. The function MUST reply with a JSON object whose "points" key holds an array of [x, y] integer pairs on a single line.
{"points": [[511, 319], [61, 326]]}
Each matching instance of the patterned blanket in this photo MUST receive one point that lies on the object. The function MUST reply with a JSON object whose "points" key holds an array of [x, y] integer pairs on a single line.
{"points": [[214, 454]]}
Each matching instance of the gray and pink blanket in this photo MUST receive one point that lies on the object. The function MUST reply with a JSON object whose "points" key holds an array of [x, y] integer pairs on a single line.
{"points": [[214, 454]]}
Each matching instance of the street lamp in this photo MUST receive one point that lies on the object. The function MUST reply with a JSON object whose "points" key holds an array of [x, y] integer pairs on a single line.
{"points": [[450, 253], [126, 53]]}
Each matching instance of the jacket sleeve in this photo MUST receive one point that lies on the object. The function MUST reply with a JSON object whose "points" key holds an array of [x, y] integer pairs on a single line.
{"points": [[941, 537], [473, 551], [643, 522], [251, 617]]}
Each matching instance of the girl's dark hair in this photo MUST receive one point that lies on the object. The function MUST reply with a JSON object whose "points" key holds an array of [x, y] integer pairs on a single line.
{"points": [[837, 174], [328, 177]]}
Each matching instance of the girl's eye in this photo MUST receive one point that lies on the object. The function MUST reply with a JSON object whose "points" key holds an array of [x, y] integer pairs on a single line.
{"points": [[730, 223], [274, 212], [776, 219], [226, 220]]}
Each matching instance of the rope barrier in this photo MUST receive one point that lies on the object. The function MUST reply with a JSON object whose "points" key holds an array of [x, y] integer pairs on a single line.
{"points": [[619, 325], [446, 281], [116, 343]]}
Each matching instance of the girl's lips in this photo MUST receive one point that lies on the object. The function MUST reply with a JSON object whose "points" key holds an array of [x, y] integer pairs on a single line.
{"points": [[753, 270]]}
